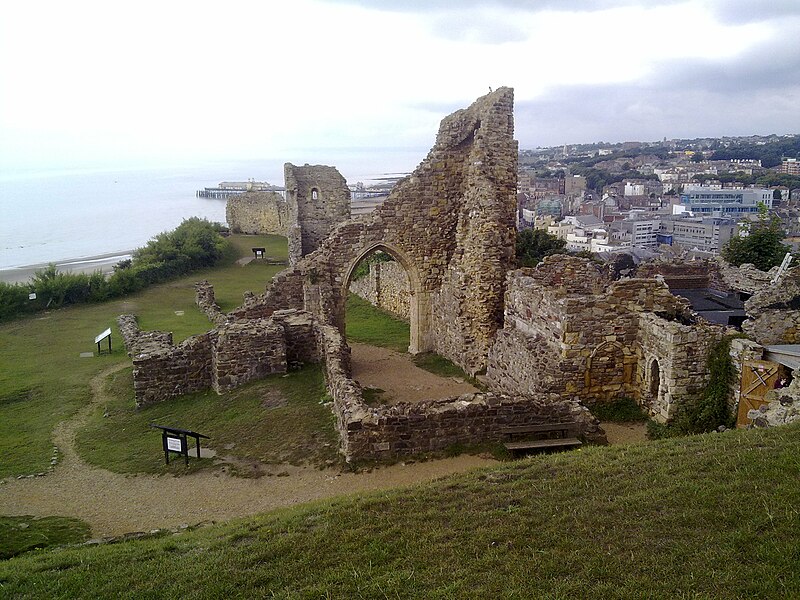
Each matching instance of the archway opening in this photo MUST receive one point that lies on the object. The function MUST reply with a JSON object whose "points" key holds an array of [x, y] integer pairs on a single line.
{"points": [[655, 379], [378, 305]]}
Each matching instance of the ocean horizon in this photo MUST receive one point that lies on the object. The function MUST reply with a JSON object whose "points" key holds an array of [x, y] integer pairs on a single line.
{"points": [[68, 216]]}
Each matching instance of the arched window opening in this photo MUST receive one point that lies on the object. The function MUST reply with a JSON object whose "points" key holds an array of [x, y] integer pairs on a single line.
{"points": [[655, 379]]}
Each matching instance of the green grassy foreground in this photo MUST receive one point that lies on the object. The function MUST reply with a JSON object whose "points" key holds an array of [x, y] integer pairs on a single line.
{"points": [[43, 380], [713, 516], [22, 534]]}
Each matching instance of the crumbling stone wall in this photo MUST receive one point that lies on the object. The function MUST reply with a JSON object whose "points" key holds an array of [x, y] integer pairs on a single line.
{"points": [[167, 372], [774, 311], [318, 199], [226, 357], [450, 225], [386, 286], [783, 406], [572, 332], [259, 213], [207, 302], [244, 352], [745, 278]]}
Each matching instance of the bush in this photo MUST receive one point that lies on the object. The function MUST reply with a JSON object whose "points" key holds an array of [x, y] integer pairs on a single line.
{"points": [[534, 244], [622, 410], [14, 300]]}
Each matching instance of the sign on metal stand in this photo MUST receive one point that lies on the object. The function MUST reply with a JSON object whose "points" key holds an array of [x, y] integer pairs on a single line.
{"points": [[174, 439], [101, 337]]}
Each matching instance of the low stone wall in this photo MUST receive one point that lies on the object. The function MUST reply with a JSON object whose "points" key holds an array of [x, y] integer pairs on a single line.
{"points": [[257, 213], [137, 341], [783, 407], [408, 429], [224, 358], [386, 287]]}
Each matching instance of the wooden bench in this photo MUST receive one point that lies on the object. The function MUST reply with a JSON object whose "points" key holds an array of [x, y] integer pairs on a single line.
{"points": [[537, 437]]}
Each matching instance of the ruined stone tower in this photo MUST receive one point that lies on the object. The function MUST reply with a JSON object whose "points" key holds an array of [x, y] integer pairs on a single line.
{"points": [[318, 199]]}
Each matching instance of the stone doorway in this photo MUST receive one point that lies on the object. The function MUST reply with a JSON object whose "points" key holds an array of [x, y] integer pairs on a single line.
{"points": [[402, 290]]}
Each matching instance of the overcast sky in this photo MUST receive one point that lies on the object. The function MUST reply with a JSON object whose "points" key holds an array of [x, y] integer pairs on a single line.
{"points": [[111, 82]]}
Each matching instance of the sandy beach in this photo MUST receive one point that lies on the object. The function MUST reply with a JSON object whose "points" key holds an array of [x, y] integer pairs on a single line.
{"points": [[87, 264]]}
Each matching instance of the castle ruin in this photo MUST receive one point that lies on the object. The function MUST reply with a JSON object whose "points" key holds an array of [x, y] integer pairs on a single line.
{"points": [[551, 339]]}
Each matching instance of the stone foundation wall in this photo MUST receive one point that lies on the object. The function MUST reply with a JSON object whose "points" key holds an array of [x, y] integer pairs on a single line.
{"points": [[369, 433], [260, 213], [387, 287], [774, 311], [224, 358]]}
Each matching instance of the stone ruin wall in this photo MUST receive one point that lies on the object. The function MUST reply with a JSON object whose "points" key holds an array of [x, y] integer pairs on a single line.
{"points": [[318, 199], [572, 332], [680, 353], [224, 358], [257, 213], [386, 286], [450, 225], [384, 432], [774, 311]]}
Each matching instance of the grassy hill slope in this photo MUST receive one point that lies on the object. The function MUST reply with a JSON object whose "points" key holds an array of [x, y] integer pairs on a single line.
{"points": [[714, 516]]}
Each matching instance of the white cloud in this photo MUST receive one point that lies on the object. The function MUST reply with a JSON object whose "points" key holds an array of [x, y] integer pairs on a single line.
{"points": [[88, 79]]}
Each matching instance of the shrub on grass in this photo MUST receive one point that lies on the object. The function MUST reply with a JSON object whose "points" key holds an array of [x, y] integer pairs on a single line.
{"points": [[13, 300]]}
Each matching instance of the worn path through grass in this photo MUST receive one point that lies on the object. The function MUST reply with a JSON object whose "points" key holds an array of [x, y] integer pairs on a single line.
{"points": [[114, 504]]}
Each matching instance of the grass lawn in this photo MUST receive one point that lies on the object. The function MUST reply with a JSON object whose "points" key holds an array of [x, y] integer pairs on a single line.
{"points": [[43, 380], [22, 534], [712, 516], [274, 420], [369, 325]]}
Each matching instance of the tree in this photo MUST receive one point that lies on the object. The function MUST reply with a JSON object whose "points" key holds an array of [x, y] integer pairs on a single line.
{"points": [[697, 157], [760, 245], [534, 244]]}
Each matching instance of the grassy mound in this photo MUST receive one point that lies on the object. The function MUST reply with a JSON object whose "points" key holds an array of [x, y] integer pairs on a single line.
{"points": [[712, 516]]}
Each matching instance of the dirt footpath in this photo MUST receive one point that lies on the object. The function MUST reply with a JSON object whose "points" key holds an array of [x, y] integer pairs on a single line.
{"points": [[400, 378], [625, 433], [114, 504]]}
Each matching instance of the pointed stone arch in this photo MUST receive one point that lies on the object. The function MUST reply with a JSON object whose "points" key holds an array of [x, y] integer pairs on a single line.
{"points": [[419, 301]]}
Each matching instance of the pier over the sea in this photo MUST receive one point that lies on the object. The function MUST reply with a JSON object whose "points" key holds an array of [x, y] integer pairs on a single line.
{"points": [[226, 189]]}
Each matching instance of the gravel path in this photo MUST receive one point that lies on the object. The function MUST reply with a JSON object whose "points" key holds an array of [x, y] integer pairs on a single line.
{"points": [[114, 504]]}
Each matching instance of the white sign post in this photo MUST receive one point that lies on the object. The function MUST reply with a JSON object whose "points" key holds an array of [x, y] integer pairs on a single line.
{"points": [[99, 338]]}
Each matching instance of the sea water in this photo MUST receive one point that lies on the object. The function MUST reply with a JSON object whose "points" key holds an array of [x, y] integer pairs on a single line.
{"points": [[63, 215]]}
